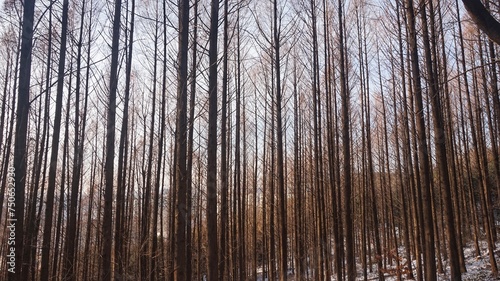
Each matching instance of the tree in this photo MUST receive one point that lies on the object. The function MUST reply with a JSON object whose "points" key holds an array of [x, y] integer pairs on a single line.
{"points": [[440, 142], [483, 19], [55, 147], [21, 135], [119, 250], [213, 255], [280, 150], [224, 217], [423, 152], [107, 223], [346, 151], [180, 178]]}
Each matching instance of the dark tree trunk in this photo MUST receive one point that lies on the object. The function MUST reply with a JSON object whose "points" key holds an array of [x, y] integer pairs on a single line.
{"points": [[346, 151], [440, 143], [181, 146], [213, 255], [190, 149], [21, 136], [107, 223], [49, 209], [429, 250], [120, 233], [280, 150], [224, 225]]}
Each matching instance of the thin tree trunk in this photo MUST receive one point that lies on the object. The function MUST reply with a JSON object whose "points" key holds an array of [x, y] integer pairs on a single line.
{"points": [[280, 149], [107, 226], [488, 218], [87, 248], [146, 235], [49, 209], [56, 264], [155, 252], [6, 144], [120, 233]]}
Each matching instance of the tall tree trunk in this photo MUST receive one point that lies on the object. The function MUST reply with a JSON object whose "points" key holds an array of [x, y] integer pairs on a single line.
{"points": [[155, 252], [180, 269], [107, 226], [190, 149], [481, 153], [21, 136], [346, 151], [49, 209], [146, 235], [224, 225], [255, 193], [466, 150], [280, 150], [400, 182], [239, 182], [440, 143], [213, 255], [429, 250], [56, 266], [450, 143], [333, 163], [407, 167], [5, 145], [120, 233], [298, 197]]}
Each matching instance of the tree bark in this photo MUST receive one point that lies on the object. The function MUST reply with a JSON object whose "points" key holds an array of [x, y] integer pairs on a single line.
{"points": [[49, 209], [346, 151], [21, 136], [440, 143], [180, 269], [429, 250], [107, 223], [213, 274]]}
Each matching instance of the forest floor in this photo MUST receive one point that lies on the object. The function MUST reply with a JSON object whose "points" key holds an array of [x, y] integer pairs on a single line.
{"points": [[478, 267]]}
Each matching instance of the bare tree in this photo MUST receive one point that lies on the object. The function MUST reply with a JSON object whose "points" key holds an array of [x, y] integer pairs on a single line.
{"points": [[180, 269], [213, 255], [55, 147], [21, 135], [107, 223], [428, 227]]}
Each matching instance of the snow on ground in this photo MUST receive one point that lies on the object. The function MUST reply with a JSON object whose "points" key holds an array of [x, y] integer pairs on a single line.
{"points": [[478, 267]]}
